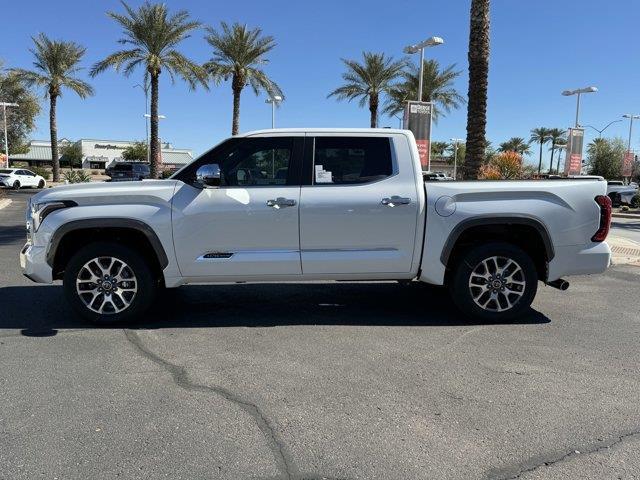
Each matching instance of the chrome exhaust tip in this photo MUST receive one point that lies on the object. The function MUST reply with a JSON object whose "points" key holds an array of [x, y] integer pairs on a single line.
{"points": [[560, 284]]}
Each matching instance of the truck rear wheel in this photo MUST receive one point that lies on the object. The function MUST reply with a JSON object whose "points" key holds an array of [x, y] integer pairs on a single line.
{"points": [[494, 281], [109, 283]]}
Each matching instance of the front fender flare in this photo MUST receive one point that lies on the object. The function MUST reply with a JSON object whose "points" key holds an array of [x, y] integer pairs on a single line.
{"points": [[128, 223]]}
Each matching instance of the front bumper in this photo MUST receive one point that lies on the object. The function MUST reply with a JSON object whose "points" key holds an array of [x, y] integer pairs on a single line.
{"points": [[579, 260], [34, 264]]}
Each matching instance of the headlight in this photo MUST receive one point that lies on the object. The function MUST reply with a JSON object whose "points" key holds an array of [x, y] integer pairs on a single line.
{"points": [[37, 212]]}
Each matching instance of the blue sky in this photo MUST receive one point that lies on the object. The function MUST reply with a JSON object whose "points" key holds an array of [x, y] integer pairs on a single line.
{"points": [[539, 48]]}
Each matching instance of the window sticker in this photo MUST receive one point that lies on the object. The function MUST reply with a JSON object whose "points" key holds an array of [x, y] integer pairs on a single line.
{"points": [[322, 175]]}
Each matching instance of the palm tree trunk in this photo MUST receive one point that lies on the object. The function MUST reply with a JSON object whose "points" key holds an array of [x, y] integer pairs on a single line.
{"points": [[558, 168], [540, 162], [553, 149], [154, 148], [478, 85], [53, 127], [236, 86], [373, 110]]}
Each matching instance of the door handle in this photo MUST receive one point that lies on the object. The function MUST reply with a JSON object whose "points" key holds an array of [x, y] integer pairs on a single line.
{"points": [[281, 202], [395, 200]]}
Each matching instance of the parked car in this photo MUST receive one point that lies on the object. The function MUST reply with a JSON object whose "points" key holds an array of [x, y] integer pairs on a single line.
{"points": [[620, 193], [352, 206], [124, 171], [17, 178]]}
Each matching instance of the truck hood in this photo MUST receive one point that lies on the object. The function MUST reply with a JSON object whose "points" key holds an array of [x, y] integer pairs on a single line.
{"points": [[101, 193]]}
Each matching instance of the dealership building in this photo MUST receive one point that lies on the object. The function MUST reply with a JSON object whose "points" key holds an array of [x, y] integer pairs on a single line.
{"points": [[99, 154]]}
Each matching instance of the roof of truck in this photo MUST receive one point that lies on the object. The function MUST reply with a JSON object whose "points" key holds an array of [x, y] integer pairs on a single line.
{"points": [[271, 131]]}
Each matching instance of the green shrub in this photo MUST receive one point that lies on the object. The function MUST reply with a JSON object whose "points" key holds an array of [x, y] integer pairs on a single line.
{"points": [[76, 176], [43, 172], [166, 173], [624, 208], [635, 201]]}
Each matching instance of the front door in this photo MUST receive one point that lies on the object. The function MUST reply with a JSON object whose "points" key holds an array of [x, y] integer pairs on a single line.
{"points": [[248, 227], [359, 215]]}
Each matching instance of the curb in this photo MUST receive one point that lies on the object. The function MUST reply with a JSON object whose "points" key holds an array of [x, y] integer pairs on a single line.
{"points": [[626, 215], [5, 203]]}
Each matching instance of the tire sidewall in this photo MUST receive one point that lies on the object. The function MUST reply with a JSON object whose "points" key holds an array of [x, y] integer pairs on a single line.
{"points": [[459, 285], [147, 285], [16, 185], [41, 184]]}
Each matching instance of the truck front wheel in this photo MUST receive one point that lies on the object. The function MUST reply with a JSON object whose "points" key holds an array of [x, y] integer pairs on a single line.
{"points": [[109, 283], [494, 282]]}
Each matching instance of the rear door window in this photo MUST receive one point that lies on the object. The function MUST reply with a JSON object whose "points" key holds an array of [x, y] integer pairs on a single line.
{"points": [[351, 160]]}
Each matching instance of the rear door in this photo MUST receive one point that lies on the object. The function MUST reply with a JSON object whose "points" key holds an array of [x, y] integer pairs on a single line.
{"points": [[249, 226], [359, 214]]}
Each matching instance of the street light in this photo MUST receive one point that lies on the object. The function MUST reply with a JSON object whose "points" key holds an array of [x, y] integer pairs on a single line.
{"points": [[631, 119], [455, 141], [4, 118], [145, 89], [578, 92], [603, 129], [411, 49], [273, 101]]}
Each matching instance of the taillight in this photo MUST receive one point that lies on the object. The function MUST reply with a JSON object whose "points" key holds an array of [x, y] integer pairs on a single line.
{"points": [[605, 218]]}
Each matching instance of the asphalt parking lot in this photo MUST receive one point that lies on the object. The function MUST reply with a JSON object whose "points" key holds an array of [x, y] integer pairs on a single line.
{"points": [[335, 381]]}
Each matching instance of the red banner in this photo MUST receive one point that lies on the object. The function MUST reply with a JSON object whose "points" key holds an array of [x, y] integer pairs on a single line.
{"points": [[627, 164], [573, 162], [417, 118]]}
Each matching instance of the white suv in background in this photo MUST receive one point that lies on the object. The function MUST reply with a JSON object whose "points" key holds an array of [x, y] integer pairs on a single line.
{"points": [[20, 177]]}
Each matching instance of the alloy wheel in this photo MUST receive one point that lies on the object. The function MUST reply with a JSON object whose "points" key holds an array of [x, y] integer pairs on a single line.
{"points": [[497, 284], [106, 285]]}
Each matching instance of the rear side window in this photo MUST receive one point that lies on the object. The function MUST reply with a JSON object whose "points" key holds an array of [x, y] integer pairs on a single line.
{"points": [[351, 160]]}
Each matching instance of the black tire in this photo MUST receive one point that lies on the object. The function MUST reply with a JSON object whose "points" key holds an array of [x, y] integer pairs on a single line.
{"points": [[463, 287], [143, 279], [16, 185], [41, 184]]}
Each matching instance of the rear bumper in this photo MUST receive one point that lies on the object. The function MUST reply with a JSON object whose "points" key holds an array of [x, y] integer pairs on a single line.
{"points": [[34, 264], [579, 260]]}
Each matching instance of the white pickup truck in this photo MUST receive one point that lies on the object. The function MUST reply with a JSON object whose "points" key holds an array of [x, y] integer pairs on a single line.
{"points": [[309, 205]]}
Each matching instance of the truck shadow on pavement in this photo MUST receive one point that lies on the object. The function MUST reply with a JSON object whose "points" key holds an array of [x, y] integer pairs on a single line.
{"points": [[42, 310]]}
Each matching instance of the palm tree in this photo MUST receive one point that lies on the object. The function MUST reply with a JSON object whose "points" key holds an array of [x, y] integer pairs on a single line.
{"points": [[368, 80], [556, 136], [56, 65], [153, 34], [437, 88], [478, 84], [515, 144], [438, 148], [238, 54], [540, 135]]}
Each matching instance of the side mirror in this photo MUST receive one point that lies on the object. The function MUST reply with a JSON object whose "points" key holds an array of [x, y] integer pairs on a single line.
{"points": [[209, 175]]}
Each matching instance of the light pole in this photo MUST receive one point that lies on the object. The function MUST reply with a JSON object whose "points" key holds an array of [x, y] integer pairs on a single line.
{"points": [[411, 49], [603, 129], [4, 118], [456, 142], [145, 89], [148, 117], [578, 92], [631, 119], [273, 101]]}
